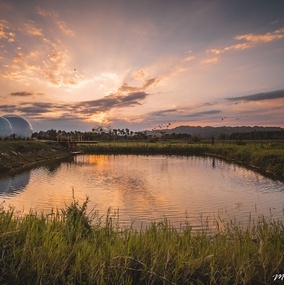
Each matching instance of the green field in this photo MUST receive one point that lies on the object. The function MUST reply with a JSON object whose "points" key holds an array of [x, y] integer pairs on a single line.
{"points": [[72, 247]]}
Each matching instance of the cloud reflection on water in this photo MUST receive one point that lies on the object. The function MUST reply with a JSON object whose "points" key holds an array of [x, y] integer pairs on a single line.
{"points": [[147, 188]]}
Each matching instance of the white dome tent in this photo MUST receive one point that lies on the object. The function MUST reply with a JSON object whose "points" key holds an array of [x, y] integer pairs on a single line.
{"points": [[5, 128], [21, 128]]}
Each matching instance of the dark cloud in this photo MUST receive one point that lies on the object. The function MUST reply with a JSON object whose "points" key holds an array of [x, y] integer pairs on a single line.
{"points": [[112, 101], [32, 110], [127, 88], [35, 109], [64, 118], [134, 98], [199, 114], [260, 96], [50, 106], [163, 112], [22, 94], [150, 82], [79, 109], [182, 113], [98, 105], [7, 108], [147, 83]]}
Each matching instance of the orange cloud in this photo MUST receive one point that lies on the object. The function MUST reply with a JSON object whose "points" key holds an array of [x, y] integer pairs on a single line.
{"points": [[268, 37], [31, 29], [45, 59], [60, 24], [141, 74], [189, 58], [5, 31], [150, 82], [18, 58], [250, 40], [175, 71], [232, 47], [45, 13], [125, 88], [50, 63], [63, 27], [16, 75], [210, 60]]}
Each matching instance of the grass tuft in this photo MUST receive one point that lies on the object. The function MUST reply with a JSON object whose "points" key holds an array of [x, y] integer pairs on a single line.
{"points": [[74, 247]]}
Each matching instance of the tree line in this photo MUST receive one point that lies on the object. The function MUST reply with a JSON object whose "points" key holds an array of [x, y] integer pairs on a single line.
{"points": [[97, 133], [108, 133]]}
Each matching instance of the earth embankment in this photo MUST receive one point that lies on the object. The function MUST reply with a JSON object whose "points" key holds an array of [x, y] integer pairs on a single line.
{"points": [[16, 155]]}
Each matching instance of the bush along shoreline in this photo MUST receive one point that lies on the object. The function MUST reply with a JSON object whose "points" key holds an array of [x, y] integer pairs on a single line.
{"points": [[73, 247]]}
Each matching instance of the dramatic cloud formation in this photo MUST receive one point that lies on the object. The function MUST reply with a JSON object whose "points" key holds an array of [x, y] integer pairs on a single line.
{"points": [[139, 65], [44, 56], [110, 102], [78, 109]]}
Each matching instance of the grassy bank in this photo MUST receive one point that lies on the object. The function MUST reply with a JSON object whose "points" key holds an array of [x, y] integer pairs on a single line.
{"points": [[266, 157], [74, 248], [18, 154]]}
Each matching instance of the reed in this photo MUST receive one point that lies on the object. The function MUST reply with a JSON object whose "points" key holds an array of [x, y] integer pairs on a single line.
{"points": [[74, 246]]}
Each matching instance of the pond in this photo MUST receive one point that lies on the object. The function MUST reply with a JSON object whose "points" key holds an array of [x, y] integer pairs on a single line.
{"points": [[141, 189]]}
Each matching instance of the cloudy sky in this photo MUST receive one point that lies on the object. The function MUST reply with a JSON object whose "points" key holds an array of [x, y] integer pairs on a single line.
{"points": [[139, 64]]}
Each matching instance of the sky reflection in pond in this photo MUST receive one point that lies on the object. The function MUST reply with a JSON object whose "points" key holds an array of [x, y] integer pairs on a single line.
{"points": [[147, 188]]}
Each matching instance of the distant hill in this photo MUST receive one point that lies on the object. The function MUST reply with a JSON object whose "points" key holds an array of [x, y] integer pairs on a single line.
{"points": [[208, 132]]}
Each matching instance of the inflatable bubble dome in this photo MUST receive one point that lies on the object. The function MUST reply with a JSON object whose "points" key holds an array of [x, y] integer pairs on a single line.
{"points": [[21, 127], [5, 128]]}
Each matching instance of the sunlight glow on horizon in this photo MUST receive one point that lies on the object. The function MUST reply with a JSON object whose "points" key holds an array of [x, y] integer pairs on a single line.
{"points": [[99, 118]]}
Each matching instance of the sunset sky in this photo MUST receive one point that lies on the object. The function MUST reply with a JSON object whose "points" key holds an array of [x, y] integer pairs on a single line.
{"points": [[138, 64]]}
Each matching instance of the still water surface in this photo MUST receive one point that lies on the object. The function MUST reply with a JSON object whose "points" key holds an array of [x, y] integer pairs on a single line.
{"points": [[148, 188]]}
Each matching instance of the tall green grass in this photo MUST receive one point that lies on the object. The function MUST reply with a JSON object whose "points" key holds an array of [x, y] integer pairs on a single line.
{"points": [[73, 247]]}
